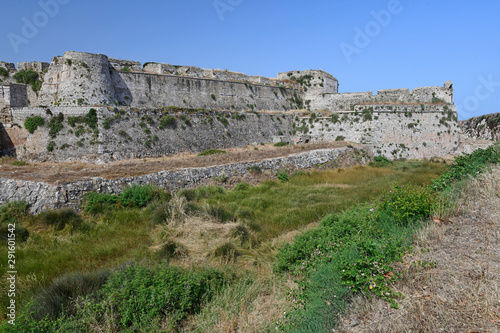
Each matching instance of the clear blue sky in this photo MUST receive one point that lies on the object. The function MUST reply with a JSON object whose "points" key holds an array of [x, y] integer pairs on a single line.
{"points": [[420, 43]]}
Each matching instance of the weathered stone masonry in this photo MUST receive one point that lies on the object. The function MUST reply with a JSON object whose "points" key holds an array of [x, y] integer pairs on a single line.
{"points": [[212, 109], [43, 196]]}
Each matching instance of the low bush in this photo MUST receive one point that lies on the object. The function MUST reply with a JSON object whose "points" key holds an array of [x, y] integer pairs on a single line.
{"points": [[172, 250], [379, 161], [13, 212], [281, 144], [189, 193], [90, 119], [255, 169], [408, 202], [132, 196], [96, 203], [32, 123], [140, 196], [209, 152], [20, 163], [242, 187], [166, 121], [209, 191], [282, 177], [138, 295], [21, 233], [227, 252], [59, 219]]}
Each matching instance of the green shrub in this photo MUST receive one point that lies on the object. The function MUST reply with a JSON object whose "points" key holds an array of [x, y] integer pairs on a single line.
{"points": [[60, 218], [32, 123], [141, 195], [166, 121], [90, 119], [96, 203], [188, 193], [21, 234], [138, 295], [282, 177], [340, 138], [19, 163], [51, 145], [4, 72], [55, 126], [242, 187], [185, 119], [380, 161], [211, 152], [408, 202], [209, 191], [28, 76], [281, 144], [13, 212]]}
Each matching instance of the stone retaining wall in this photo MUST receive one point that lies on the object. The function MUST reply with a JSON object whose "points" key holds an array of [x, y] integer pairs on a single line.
{"points": [[43, 196]]}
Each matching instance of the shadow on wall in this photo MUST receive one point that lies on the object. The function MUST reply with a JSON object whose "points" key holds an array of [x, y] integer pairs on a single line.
{"points": [[6, 143], [123, 95]]}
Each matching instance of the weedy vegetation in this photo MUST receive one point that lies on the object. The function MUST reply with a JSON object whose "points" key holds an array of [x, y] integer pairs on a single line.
{"points": [[287, 254]]}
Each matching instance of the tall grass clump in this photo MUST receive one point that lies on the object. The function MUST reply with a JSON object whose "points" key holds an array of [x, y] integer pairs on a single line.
{"points": [[58, 298], [11, 214], [59, 219]]}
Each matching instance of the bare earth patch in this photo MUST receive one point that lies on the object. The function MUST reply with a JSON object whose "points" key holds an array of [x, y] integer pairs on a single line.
{"points": [[452, 279], [53, 173]]}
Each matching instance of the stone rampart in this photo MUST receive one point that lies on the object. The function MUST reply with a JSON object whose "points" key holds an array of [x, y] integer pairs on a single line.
{"points": [[395, 131], [78, 79], [347, 101], [42, 196]]}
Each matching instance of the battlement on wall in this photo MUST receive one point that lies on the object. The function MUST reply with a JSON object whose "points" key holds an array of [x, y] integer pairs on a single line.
{"points": [[421, 95], [212, 109]]}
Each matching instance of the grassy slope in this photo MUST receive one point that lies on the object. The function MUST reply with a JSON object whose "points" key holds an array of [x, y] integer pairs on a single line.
{"points": [[278, 208]]}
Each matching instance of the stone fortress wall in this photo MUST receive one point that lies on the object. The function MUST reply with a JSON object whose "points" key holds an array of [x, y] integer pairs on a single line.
{"points": [[213, 109]]}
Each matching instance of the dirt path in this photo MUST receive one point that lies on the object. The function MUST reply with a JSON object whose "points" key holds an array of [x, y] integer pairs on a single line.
{"points": [[54, 173], [452, 279]]}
